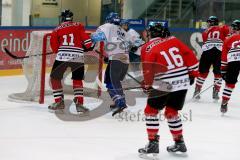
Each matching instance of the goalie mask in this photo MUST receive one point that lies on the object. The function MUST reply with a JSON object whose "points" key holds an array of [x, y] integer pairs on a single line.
{"points": [[66, 15], [212, 21], [155, 29], [236, 25]]}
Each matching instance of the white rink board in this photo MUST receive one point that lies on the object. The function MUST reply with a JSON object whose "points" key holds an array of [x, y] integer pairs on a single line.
{"points": [[30, 132]]}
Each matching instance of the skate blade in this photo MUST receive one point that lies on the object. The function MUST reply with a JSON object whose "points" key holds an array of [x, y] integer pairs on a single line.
{"points": [[223, 114], [196, 99], [150, 156], [83, 114], [59, 111], [179, 154]]}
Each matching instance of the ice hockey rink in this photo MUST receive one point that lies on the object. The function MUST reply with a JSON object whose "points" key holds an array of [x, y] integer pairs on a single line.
{"points": [[30, 132]]}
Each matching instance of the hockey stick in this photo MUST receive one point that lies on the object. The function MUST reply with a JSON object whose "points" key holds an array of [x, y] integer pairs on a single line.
{"points": [[23, 57], [130, 88], [205, 90], [129, 75]]}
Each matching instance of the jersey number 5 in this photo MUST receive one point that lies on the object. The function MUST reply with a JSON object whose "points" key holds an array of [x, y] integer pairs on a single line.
{"points": [[65, 40], [177, 60]]}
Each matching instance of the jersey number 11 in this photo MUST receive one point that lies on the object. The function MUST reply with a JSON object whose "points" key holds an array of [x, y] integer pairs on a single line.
{"points": [[65, 40]]}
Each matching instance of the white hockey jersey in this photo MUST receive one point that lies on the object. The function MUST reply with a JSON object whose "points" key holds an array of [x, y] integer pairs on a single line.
{"points": [[117, 41], [135, 38]]}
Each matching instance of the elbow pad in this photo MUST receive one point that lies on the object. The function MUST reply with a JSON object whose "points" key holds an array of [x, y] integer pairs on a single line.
{"points": [[98, 36]]}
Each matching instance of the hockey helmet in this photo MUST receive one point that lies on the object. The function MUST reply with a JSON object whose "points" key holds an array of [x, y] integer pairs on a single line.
{"points": [[113, 18], [124, 22], [212, 21], [155, 29], [67, 15], [236, 25]]}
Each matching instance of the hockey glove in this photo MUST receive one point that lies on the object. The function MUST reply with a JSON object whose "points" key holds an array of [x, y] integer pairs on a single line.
{"points": [[146, 89], [85, 49], [106, 60], [192, 79], [133, 49]]}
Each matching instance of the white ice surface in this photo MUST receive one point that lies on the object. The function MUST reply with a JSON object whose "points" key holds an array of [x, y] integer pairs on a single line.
{"points": [[30, 132]]}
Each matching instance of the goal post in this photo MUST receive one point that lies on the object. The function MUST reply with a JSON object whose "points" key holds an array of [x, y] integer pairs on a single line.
{"points": [[36, 70]]}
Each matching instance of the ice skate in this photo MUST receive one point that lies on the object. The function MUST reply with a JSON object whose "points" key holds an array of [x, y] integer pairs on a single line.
{"points": [[79, 107], [117, 110], [196, 94], [215, 95], [178, 147], [112, 107], [224, 107], [57, 106], [151, 150]]}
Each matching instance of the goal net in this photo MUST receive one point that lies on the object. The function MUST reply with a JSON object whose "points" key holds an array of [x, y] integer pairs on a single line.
{"points": [[36, 70]]}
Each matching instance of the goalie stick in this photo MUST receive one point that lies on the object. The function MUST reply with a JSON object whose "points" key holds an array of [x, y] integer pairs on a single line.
{"points": [[23, 57]]}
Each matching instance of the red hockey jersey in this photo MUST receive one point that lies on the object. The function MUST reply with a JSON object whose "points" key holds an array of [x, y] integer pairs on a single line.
{"points": [[231, 50], [68, 40], [167, 64], [214, 37]]}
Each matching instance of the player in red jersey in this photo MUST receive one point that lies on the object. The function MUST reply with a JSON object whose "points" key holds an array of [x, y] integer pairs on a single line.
{"points": [[230, 64], [169, 67], [69, 41], [213, 38]]}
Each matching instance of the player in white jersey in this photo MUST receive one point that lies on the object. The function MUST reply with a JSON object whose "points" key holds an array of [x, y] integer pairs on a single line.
{"points": [[116, 42], [135, 49]]}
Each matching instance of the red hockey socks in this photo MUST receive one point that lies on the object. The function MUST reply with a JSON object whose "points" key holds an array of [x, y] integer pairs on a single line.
{"points": [[217, 82], [227, 92], [152, 122], [57, 90], [78, 90], [200, 80], [174, 123]]}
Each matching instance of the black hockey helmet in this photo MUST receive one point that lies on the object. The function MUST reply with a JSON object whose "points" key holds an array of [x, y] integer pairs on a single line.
{"points": [[66, 15], [236, 25], [155, 29], [212, 21]]}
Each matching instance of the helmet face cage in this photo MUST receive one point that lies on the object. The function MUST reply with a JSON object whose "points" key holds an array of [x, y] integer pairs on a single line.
{"points": [[155, 29], [212, 21], [67, 15], [235, 25]]}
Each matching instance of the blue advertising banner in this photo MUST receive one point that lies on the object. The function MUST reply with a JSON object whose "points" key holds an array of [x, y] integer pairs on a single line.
{"points": [[138, 24], [163, 22]]}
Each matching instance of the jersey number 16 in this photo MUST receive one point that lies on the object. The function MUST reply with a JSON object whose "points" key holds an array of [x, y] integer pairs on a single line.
{"points": [[177, 60]]}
